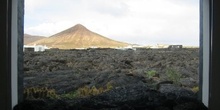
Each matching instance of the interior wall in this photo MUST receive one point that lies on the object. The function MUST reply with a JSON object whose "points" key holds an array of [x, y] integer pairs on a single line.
{"points": [[5, 60], [20, 48], [11, 43], [214, 103]]}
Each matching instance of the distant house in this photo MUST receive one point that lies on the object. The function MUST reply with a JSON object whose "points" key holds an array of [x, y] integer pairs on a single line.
{"points": [[35, 48], [126, 48], [175, 47], [159, 46]]}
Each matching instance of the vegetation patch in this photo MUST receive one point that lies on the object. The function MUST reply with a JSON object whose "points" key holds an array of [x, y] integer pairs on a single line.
{"points": [[87, 91], [150, 74], [40, 93], [195, 89], [173, 75]]}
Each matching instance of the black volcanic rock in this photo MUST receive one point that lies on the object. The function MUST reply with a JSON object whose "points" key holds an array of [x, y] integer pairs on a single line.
{"points": [[130, 97], [71, 69], [126, 70]]}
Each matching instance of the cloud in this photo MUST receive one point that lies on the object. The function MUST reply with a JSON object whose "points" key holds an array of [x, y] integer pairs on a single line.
{"points": [[134, 21], [48, 29], [109, 7]]}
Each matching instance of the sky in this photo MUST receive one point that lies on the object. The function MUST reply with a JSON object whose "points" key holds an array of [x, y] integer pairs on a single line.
{"points": [[144, 22]]}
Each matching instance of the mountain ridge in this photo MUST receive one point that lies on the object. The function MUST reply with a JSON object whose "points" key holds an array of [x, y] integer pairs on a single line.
{"points": [[31, 38], [79, 36]]}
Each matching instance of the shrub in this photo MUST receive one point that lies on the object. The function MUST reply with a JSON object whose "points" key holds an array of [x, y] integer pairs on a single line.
{"points": [[86, 91], [151, 73], [40, 93], [173, 75], [70, 95], [195, 89], [109, 86]]}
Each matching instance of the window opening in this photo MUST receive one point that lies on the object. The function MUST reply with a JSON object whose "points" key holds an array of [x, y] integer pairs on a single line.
{"points": [[161, 56]]}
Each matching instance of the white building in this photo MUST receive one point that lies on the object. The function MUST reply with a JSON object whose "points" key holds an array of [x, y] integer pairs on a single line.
{"points": [[159, 46], [35, 48], [130, 47]]}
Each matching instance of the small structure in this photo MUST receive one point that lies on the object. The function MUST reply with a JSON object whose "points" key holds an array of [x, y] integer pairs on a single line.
{"points": [[28, 49], [35, 48], [158, 46], [126, 48], [175, 47]]}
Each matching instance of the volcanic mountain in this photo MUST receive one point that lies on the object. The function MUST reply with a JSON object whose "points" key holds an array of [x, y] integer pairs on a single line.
{"points": [[79, 36], [31, 38]]}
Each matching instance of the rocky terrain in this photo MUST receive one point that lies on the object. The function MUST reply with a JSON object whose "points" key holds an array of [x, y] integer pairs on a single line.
{"points": [[67, 70], [149, 79], [132, 97]]}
